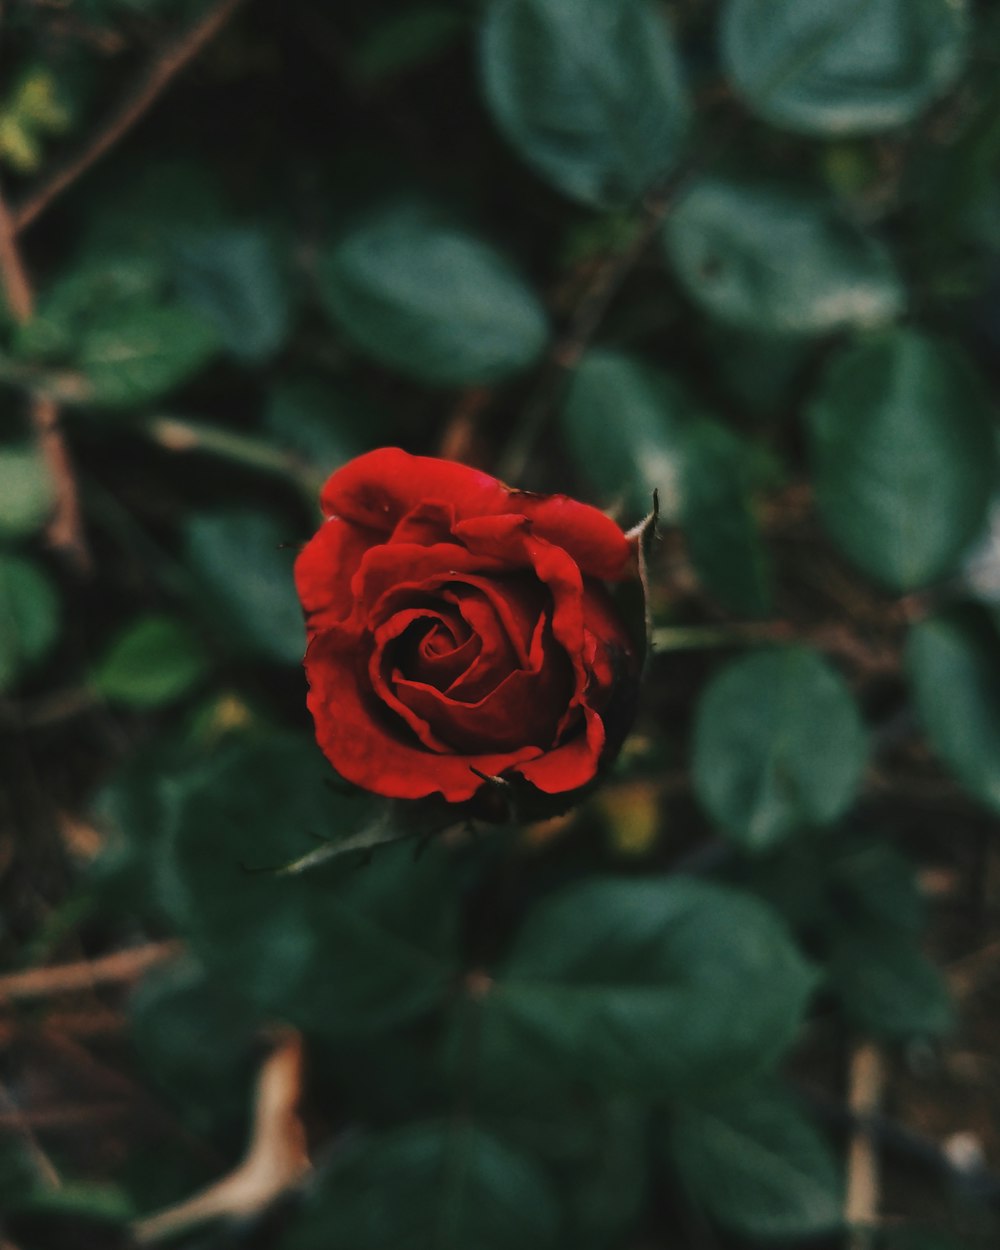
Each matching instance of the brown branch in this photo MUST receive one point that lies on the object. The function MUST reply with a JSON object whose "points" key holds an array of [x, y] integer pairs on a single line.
{"points": [[140, 99], [864, 1096], [65, 526], [14, 1117], [124, 965]]}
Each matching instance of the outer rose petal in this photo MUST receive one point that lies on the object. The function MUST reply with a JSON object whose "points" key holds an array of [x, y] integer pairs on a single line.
{"points": [[352, 732], [324, 569], [381, 487]]}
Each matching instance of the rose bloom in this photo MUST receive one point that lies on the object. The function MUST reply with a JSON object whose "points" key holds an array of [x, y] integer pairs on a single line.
{"points": [[459, 631]]}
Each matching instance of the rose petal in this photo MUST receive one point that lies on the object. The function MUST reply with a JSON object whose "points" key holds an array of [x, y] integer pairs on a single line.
{"points": [[324, 569], [570, 766], [365, 748], [379, 489]]}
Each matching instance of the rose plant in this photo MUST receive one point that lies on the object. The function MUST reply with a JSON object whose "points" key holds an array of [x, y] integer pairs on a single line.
{"points": [[461, 631]]}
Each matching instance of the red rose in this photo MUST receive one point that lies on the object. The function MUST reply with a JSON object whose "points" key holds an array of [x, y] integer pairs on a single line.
{"points": [[457, 627]]}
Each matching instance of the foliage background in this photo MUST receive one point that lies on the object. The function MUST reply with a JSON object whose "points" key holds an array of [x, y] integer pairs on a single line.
{"points": [[745, 253]]}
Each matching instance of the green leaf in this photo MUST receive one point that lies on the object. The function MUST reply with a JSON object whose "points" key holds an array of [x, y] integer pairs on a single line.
{"points": [[589, 93], [779, 746], [197, 1041], [903, 453], [326, 425], [406, 40], [153, 661], [953, 661], [633, 430], [132, 355], [247, 576], [236, 279], [887, 986], [659, 986], [848, 68], [729, 244], [421, 294], [29, 617], [757, 1165], [26, 495], [346, 951], [427, 1186]]}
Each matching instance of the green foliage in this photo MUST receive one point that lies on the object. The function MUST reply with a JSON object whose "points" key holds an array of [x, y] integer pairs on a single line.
{"points": [[757, 1165], [421, 294], [25, 490], [590, 94], [850, 68], [428, 1185], [954, 662], [779, 746], [29, 617], [633, 430], [153, 661], [246, 579], [730, 244], [604, 971], [904, 456]]}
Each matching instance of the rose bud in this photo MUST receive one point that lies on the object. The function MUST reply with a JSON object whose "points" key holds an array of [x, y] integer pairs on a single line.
{"points": [[461, 636]]}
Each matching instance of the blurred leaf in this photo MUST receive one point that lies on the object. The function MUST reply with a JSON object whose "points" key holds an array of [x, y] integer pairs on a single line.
{"points": [[246, 574], [324, 424], [953, 661], [633, 430], [133, 355], [26, 495], [33, 109], [153, 661], [406, 40], [887, 986], [196, 1039], [779, 746], [235, 278], [345, 950], [903, 453], [450, 1187], [589, 92], [848, 68], [757, 1165], [658, 986], [29, 617], [759, 371], [422, 295], [730, 245]]}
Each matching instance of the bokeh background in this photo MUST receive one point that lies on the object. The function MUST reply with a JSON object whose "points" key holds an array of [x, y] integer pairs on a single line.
{"points": [[744, 253]]}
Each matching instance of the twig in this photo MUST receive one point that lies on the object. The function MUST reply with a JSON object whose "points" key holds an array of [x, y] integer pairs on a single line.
{"points": [[124, 965], [63, 1116], [276, 1158], [156, 78], [866, 1081], [65, 527]]}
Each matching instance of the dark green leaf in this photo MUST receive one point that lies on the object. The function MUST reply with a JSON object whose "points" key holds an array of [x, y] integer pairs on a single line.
{"points": [[29, 617], [344, 950], [846, 68], [405, 40], [245, 571], [730, 244], [423, 295], [954, 663], [25, 490], [778, 746], [427, 1187], [633, 430], [131, 355], [237, 280], [651, 985], [324, 424], [903, 452], [887, 986], [153, 661], [589, 92], [757, 1165]]}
